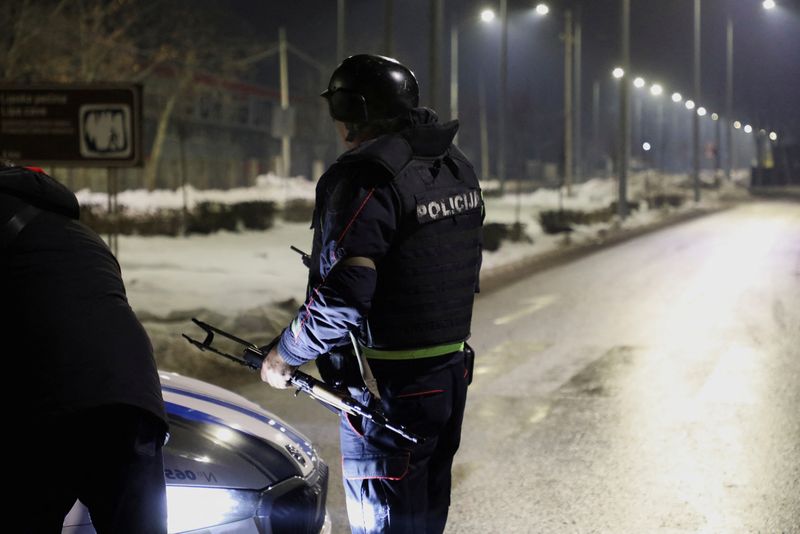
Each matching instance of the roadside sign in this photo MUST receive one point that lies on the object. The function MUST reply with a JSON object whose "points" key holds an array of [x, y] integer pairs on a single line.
{"points": [[283, 122], [87, 125]]}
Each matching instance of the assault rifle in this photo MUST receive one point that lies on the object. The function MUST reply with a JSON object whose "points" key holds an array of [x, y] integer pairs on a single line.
{"points": [[337, 400]]}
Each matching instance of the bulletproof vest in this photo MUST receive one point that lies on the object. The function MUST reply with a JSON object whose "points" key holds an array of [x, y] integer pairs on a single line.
{"points": [[427, 281]]}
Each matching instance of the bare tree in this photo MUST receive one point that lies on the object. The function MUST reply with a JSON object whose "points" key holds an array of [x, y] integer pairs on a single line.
{"points": [[156, 42]]}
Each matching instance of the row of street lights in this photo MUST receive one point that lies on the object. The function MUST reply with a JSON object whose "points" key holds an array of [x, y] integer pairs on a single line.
{"points": [[542, 9], [488, 16], [624, 100], [657, 90]]}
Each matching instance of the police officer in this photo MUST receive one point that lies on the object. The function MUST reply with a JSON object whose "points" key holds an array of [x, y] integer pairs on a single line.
{"points": [[395, 262], [91, 421]]}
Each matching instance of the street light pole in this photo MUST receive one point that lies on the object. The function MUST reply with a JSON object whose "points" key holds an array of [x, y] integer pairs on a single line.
{"points": [[568, 101], [484, 126], [625, 126], [695, 116], [388, 28], [340, 28], [578, 112], [729, 98], [286, 140], [454, 72], [501, 115], [435, 40]]}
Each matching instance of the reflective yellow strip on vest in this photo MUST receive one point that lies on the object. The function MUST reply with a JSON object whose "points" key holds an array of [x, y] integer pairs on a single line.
{"points": [[412, 354]]}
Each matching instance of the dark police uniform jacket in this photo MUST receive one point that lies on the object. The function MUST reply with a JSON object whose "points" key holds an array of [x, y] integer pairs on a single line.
{"points": [[411, 202], [68, 332]]}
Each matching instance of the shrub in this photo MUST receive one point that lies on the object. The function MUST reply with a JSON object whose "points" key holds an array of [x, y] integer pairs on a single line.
{"points": [[493, 234], [207, 217], [255, 215], [666, 199], [298, 210], [632, 206], [560, 221]]}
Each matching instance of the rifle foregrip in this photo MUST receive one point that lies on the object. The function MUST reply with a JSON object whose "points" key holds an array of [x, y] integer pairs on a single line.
{"points": [[317, 390], [327, 396]]}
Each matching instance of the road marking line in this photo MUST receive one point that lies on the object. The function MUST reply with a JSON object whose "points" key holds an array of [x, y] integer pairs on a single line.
{"points": [[536, 304]]}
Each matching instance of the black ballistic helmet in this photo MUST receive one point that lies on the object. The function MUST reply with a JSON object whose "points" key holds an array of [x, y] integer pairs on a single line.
{"points": [[367, 88]]}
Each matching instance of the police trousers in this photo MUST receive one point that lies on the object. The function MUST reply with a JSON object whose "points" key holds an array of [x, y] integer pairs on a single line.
{"points": [[108, 457], [392, 485]]}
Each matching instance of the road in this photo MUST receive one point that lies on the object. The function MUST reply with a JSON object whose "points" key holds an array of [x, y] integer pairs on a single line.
{"points": [[651, 387]]}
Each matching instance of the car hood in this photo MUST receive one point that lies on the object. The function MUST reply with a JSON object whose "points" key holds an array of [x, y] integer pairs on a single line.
{"points": [[220, 439]]}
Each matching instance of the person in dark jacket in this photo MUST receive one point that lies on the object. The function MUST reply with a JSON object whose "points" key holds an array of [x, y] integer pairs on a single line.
{"points": [[92, 420], [394, 267]]}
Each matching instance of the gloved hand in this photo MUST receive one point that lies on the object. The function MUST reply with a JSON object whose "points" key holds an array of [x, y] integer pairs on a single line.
{"points": [[275, 371]]}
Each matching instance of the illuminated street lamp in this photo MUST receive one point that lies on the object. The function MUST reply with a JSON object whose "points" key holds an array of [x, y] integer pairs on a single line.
{"points": [[638, 82], [737, 125], [542, 10], [748, 128], [773, 136], [618, 73], [646, 146], [701, 111], [656, 89], [689, 104], [714, 117], [768, 4], [677, 97], [486, 16]]}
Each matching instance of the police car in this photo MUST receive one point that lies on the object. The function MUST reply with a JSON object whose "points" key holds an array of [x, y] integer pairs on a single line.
{"points": [[232, 467]]}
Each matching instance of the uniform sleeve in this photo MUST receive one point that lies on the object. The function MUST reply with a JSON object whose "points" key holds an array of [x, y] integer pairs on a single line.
{"points": [[360, 220]]}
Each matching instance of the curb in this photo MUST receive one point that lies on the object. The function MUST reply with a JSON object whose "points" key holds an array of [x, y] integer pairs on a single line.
{"points": [[777, 192], [503, 275]]}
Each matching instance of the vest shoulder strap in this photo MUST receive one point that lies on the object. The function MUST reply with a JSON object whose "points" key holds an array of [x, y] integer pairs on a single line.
{"points": [[392, 152], [11, 229]]}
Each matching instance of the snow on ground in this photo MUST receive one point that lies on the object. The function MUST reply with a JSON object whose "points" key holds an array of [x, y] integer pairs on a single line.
{"points": [[226, 272], [232, 272], [268, 187]]}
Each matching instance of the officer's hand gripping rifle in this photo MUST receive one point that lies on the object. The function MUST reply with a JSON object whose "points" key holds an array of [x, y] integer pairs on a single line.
{"points": [[253, 358]]}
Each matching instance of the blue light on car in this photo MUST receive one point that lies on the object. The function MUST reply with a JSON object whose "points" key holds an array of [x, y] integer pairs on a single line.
{"points": [[192, 508]]}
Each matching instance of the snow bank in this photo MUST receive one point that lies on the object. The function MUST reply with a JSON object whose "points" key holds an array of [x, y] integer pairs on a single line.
{"points": [[231, 272], [269, 187]]}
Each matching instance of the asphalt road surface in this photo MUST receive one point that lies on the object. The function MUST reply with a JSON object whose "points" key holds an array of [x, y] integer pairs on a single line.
{"points": [[650, 387]]}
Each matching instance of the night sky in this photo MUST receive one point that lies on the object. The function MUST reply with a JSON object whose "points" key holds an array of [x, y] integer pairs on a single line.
{"points": [[766, 58]]}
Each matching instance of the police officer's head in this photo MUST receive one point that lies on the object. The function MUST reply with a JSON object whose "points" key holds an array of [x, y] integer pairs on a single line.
{"points": [[371, 95]]}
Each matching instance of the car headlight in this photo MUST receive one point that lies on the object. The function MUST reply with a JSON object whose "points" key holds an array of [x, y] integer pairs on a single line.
{"points": [[191, 508]]}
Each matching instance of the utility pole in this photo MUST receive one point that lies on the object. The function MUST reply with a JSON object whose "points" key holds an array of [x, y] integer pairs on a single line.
{"points": [[625, 126], [436, 16], [659, 137], [286, 140], [695, 116], [595, 115], [729, 99], [568, 101], [578, 95], [388, 29], [484, 125], [501, 114], [340, 29], [454, 72], [718, 147]]}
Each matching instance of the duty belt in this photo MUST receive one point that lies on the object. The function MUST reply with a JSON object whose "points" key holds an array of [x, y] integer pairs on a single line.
{"points": [[412, 354]]}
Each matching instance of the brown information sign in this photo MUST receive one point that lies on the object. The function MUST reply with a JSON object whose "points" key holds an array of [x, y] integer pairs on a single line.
{"points": [[92, 125]]}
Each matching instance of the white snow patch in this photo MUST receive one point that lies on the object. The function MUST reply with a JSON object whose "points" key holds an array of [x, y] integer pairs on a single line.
{"points": [[231, 272], [269, 187]]}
